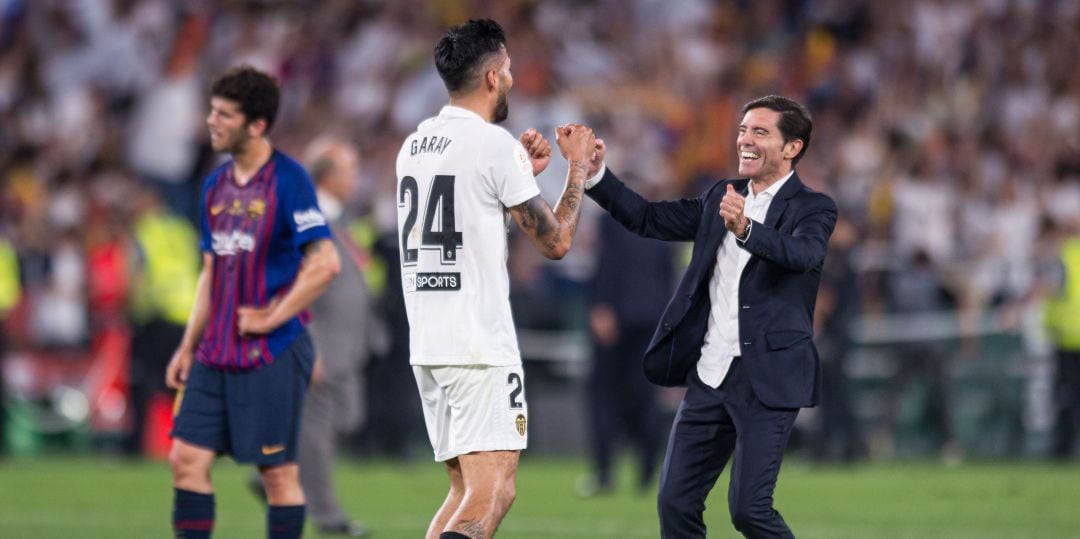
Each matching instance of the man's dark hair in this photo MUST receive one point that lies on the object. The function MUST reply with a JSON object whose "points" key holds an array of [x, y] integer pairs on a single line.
{"points": [[794, 123], [462, 53], [256, 92]]}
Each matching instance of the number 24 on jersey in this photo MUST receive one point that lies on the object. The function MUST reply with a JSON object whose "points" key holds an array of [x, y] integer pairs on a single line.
{"points": [[438, 230]]}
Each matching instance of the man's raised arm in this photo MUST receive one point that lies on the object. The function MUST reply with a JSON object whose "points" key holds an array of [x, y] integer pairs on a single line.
{"points": [[552, 232]]}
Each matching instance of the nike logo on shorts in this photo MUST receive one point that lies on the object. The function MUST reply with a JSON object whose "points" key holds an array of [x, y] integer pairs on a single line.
{"points": [[271, 449]]}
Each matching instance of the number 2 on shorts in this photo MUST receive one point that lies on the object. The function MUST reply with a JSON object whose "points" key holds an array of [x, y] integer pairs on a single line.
{"points": [[514, 379]]}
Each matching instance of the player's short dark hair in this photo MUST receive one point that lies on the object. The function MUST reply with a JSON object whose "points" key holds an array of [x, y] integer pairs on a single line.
{"points": [[256, 92], [462, 53], [795, 121]]}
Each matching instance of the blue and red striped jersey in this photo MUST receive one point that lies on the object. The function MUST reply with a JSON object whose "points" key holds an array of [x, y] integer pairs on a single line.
{"points": [[256, 233]]}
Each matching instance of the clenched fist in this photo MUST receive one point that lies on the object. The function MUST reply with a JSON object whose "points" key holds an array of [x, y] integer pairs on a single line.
{"points": [[576, 142], [732, 209], [539, 149]]}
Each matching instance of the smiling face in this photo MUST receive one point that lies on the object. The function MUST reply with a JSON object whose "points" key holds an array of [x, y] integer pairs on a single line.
{"points": [[763, 154], [229, 129]]}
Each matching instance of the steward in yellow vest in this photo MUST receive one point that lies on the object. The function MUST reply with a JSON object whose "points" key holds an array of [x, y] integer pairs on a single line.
{"points": [[1063, 321], [165, 274]]}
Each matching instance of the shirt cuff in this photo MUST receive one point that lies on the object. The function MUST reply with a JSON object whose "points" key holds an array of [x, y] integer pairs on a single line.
{"points": [[589, 183]]}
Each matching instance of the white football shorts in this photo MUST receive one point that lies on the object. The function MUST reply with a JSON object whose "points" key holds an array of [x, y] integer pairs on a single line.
{"points": [[469, 408]]}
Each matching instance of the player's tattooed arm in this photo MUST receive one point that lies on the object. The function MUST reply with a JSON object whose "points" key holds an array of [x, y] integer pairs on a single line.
{"points": [[552, 232], [536, 219]]}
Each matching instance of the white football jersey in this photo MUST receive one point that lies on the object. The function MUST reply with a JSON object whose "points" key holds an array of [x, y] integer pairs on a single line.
{"points": [[457, 174]]}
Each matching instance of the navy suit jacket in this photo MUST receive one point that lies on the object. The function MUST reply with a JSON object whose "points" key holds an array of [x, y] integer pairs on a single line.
{"points": [[777, 289]]}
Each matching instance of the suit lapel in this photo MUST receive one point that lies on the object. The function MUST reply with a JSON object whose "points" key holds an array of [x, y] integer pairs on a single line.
{"points": [[716, 228], [780, 202], [713, 231]]}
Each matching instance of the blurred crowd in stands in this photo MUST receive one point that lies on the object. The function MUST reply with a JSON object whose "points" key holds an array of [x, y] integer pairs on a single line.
{"points": [[948, 132]]}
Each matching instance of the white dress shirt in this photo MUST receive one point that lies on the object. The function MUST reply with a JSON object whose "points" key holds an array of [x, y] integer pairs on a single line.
{"points": [[722, 336]]}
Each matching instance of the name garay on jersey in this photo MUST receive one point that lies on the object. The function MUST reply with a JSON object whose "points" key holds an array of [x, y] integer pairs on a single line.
{"points": [[429, 145]]}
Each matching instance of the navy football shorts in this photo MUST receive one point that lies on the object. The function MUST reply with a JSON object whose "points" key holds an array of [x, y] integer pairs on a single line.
{"points": [[252, 415]]}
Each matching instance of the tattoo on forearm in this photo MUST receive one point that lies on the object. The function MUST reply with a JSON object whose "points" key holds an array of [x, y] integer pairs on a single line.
{"points": [[571, 197], [550, 228], [538, 213], [537, 220]]}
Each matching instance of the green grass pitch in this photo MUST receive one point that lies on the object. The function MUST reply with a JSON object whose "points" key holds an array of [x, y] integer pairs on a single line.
{"points": [[88, 497]]}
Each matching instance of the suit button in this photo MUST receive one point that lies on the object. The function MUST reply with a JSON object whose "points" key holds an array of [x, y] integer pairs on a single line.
{"points": [[746, 344], [745, 306], [666, 326], [689, 296]]}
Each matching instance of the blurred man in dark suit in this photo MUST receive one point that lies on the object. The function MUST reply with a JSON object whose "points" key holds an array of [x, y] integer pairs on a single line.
{"points": [[619, 397]]}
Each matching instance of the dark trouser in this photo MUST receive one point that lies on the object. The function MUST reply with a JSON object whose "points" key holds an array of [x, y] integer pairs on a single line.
{"points": [[619, 395], [933, 365], [838, 437], [151, 349], [710, 425], [1067, 400], [394, 418], [331, 409]]}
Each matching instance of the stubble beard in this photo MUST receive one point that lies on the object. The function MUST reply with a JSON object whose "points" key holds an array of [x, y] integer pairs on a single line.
{"points": [[502, 108], [237, 144]]}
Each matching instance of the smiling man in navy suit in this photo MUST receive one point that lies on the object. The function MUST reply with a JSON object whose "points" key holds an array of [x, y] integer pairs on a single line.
{"points": [[738, 332]]}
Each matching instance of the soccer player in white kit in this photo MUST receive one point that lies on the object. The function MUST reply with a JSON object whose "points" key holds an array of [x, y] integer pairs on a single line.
{"points": [[458, 176]]}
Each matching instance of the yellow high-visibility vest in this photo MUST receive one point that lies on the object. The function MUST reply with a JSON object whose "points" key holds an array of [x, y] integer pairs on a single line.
{"points": [[10, 289], [364, 235], [1063, 311], [170, 271]]}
